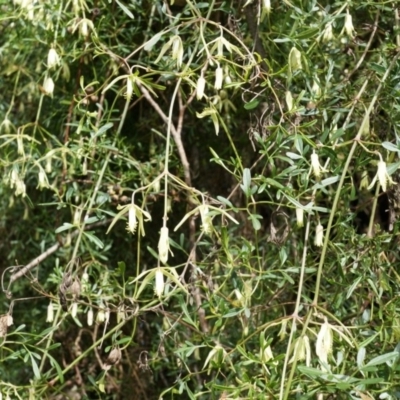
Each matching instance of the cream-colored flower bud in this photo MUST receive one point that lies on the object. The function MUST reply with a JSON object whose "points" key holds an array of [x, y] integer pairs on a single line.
{"points": [[289, 100], [6, 125], [129, 88], [101, 316], [42, 179], [177, 50], [163, 245], [159, 285], [132, 219], [74, 309], [50, 312], [48, 168], [328, 33], [295, 59], [348, 25], [53, 59], [48, 86], [319, 235], [20, 188], [206, 220], [323, 346], [90, 317], [219, 78], [20, 144], [315, 165], [201, 85], [266, 4], [316, 89], [84, 27], [299, 217]]}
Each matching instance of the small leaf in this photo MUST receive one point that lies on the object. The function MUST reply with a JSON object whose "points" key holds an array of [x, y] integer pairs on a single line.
{"points": [[64, 227], [382, 359], [251, 105], [94, 239], [149, 45], [125, 9]]}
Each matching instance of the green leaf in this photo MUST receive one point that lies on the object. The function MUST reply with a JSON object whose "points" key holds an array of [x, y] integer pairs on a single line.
{"points": [[252, 104], [65, 227], [103, 129], [56, 365], [35, 367], [382, 359], [391, 147], [94, 239]]}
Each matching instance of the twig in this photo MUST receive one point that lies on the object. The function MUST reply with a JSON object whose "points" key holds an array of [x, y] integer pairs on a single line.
{"points": [[360, 61], [175, 133]]}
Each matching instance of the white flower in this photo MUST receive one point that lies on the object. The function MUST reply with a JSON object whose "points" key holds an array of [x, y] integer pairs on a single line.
{"points": [[53, 59], [201, 85], [328, 33], [90, 317], [382, 176], [129, 88], [50, 312], [101, 316], [132, 220], [177, 50], [299, 217], [319, 235], [84, 26], [163, 245], [266, 4], [295, 59], [289, 100], [74, 309], [323, 346], [348, 25], [219, 78], [316, 89], [159, 287], [48, 86], [315, 165], [206, 220], [42, 179]]}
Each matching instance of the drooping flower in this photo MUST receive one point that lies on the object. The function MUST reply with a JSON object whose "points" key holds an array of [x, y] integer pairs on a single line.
{"points": [[348, 25], [90, 317], [159, 285], [201, 85], [295, 59], [132, 220], [323, 346], [163, 245], [48, 86], [219, 78], [328, 33], [266, 4], [50, 312], [382, 176], [53, 59], [319, 235], [299, 217], [315, 165]]}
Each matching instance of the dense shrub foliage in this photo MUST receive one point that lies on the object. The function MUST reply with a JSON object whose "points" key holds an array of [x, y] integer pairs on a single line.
{"points": [[199, 200]]}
